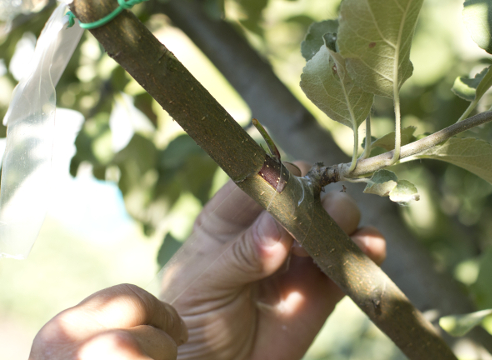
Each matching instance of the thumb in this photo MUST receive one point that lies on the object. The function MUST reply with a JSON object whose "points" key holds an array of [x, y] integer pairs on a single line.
{"points": [[257, 253]]}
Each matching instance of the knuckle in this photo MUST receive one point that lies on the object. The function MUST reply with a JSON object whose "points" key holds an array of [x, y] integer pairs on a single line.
{"points": [[55, 334], [143, 299]]}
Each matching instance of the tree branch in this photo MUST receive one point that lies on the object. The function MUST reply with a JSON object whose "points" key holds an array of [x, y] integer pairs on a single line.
{"points": [[297, 206], [367, 166], [298, 133]]}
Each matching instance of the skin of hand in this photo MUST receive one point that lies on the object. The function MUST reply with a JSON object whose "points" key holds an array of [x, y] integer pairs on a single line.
{"points": [[119, 323], [257, 301]]}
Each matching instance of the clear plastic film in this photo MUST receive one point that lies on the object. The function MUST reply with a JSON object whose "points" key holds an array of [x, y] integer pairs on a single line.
{"points": [[30, 119]]}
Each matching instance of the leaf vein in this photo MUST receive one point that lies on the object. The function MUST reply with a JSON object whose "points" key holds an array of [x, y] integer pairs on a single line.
{"points": [[398, 5], [376, 71], [377, 27]]}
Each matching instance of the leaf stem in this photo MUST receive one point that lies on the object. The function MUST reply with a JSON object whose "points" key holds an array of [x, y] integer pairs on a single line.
{"points": [[468, 110], [356, 148], [368, 147], [396, 153]]}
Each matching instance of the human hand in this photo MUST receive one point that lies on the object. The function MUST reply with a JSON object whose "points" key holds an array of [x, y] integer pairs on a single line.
{"points": [[251, 303], [123, 322]]}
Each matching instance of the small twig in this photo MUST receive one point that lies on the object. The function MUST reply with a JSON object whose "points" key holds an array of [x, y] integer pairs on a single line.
{"points": [[366, 166]]}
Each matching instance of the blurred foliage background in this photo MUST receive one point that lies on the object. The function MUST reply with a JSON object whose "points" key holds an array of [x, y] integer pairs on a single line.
{"points": [[137, 181]]}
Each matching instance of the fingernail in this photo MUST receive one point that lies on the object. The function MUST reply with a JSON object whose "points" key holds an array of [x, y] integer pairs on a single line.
{"points": [[362, 242], [268, 230]]}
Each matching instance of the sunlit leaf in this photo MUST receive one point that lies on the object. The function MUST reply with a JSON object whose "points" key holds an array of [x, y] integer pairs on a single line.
{"points": [[469, 153], [327, 84], [404, 193], [471, 89], [459, 325], [382, 182], [374, 36], [314, 37], [477, 16], [387, 141]]}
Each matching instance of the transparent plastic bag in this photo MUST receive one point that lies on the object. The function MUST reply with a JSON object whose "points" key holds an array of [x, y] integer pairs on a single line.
{"points": [[26, 170]]}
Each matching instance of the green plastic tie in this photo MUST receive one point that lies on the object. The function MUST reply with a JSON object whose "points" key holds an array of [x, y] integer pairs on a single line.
{"points": [[123, 4]]}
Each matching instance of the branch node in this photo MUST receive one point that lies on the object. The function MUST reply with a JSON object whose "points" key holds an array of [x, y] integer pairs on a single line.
{"points": [[321, 175]]}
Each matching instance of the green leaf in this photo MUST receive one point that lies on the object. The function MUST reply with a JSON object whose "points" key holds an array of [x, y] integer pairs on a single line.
{"points": [[374, 36], [387, 141], [363, 144], [327, 84], [382, 183], [469, 153], [471, 89], [465, 87], [314, 37], [477, 16], [459, 325], [168, 248], [404, 193], [386, 183]]}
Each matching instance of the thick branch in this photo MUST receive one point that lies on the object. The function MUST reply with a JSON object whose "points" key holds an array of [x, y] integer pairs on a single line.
{"points": [[367, 166], [297, 207]]}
